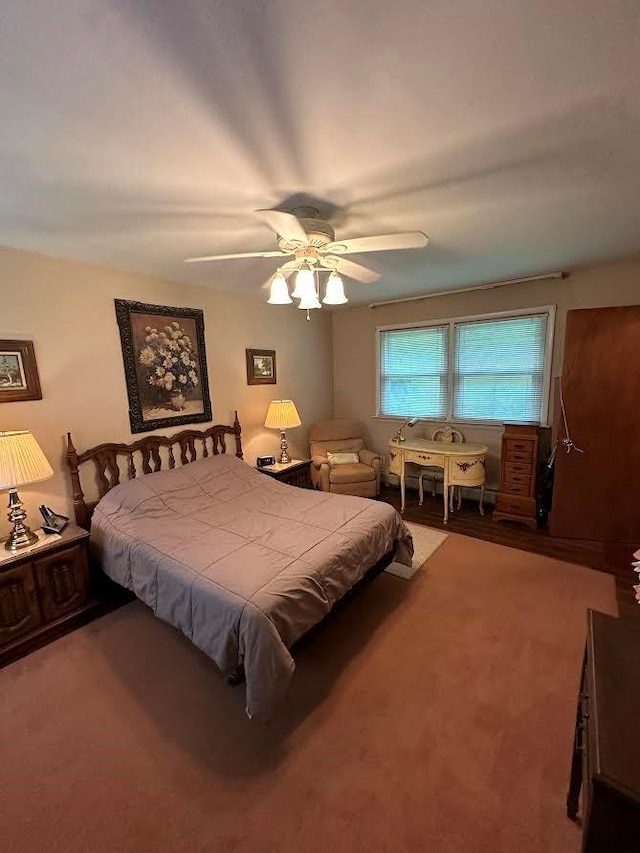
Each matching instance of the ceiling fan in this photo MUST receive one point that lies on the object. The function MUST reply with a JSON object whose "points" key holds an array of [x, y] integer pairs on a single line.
{"points": [[311, 241]]}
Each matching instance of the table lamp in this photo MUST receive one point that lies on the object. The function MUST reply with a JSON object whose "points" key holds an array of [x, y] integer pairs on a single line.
{"points": [[410, 422], [282, 415], [21, 462]]}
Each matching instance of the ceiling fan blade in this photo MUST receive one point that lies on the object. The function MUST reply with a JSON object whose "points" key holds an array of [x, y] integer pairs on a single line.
{"points": [[284, 224], [238, 255], [352, 270], [380, 243]]}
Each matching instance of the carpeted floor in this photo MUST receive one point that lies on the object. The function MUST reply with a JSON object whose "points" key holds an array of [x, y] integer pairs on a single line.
{"points": [[435, 715]]}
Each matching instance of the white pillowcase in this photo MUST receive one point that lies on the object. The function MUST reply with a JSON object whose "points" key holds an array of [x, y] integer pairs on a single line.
{"points": [[342, 458]]}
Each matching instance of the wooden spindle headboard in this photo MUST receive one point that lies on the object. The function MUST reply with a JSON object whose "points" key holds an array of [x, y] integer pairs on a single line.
{"points": [[143, 457]]}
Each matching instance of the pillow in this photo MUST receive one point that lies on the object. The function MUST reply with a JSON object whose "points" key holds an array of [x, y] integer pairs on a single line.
{"points": [[342, 458]]}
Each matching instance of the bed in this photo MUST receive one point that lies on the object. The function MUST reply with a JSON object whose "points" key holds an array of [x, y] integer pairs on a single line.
{"points": [[243, 565]]}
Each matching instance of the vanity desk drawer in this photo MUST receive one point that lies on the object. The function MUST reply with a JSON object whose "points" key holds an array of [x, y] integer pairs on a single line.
{"points": [[420, 458]]}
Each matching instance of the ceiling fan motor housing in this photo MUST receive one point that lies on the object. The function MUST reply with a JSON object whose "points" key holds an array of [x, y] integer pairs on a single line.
{"points": [[319, 232]]}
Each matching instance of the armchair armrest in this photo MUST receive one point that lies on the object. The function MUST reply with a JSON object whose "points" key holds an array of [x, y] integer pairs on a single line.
{"points": [[374, 460], [368, 457], [320, 472]]}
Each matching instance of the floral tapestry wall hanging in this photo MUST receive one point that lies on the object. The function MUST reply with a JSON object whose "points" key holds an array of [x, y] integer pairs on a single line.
{"points": [[165, 365]]}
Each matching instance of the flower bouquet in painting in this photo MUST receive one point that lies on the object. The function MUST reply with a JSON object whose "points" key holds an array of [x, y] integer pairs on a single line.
{"points": [[169, 361], [165, 364]]}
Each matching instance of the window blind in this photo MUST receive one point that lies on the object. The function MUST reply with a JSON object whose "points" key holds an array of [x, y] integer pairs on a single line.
{"points": [[499, 369], [414, 371]]}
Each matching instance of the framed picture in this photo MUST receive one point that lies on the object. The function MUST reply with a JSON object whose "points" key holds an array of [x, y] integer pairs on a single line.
{"points": [[165, 365], [19, 378], [261, 367]]}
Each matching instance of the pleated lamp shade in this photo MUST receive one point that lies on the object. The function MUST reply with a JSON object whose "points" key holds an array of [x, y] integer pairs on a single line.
{"points": [[21, 460], [282, 414]]}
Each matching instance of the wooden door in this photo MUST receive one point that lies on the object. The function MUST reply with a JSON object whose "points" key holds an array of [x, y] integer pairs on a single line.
{"points": [[596, 493]]}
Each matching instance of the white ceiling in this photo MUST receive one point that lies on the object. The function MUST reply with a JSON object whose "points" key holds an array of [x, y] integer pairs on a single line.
{"points": [[136, 133]]}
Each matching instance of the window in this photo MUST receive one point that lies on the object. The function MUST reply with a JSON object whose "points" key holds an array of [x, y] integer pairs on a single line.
{"points": [[469, 369]]}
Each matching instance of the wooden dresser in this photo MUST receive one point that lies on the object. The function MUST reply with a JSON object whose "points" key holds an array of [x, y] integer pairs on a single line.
{"points": [[44, 592], [606, 756], [516, 498]]}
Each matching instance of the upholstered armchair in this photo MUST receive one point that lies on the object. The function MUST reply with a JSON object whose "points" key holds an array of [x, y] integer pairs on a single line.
{"points": [[361, 477]]}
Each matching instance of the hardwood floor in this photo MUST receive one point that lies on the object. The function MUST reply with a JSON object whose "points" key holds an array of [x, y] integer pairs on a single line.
{"points": [[468, 522]]}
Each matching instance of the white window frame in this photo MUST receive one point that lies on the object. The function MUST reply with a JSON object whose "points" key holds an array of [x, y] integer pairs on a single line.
{"points": [[549, 310]]}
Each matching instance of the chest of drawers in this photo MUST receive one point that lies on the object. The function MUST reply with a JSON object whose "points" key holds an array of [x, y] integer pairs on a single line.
{"points": [[516, 497]]}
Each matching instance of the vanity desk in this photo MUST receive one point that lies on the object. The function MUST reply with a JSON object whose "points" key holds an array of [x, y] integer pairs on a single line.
{"points": [[462, 464]]}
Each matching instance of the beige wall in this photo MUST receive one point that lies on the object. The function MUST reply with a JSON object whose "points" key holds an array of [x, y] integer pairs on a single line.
{"points": [[354, 352], [67, 310]]}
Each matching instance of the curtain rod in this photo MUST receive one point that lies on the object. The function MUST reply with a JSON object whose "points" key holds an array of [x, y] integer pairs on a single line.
{"points": [[542, 277]]}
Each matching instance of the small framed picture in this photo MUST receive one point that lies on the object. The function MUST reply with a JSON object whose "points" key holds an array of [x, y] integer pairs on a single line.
{"points": [[19, 378], [261, 367]]}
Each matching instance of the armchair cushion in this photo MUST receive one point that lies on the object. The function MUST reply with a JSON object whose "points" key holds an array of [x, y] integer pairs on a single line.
{"points": [[351, 472]]}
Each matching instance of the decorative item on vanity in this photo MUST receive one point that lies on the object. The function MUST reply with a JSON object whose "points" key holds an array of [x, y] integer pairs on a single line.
{"points": [[165, 365], [282, 415], [311, 240], [410, 422], [21, 462]]}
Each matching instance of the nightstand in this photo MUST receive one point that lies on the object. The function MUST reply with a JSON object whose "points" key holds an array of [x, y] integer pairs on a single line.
{"points": [[44, 591], [294, 473]]}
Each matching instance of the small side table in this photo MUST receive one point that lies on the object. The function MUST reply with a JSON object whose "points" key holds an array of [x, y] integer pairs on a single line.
{"points": [[294, 473]]}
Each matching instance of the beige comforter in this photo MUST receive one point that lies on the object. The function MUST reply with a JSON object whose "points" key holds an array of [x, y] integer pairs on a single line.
{"points": [[241, 564]]}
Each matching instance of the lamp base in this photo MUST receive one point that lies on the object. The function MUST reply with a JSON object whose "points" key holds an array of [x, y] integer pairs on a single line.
{"points": [[21, 536], [284, 445], [20, 539]]}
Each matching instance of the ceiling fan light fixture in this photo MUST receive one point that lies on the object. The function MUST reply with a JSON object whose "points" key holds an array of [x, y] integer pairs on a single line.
{"points": [[310, 301], [279, 292], [334, 293], [305, 283]]}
